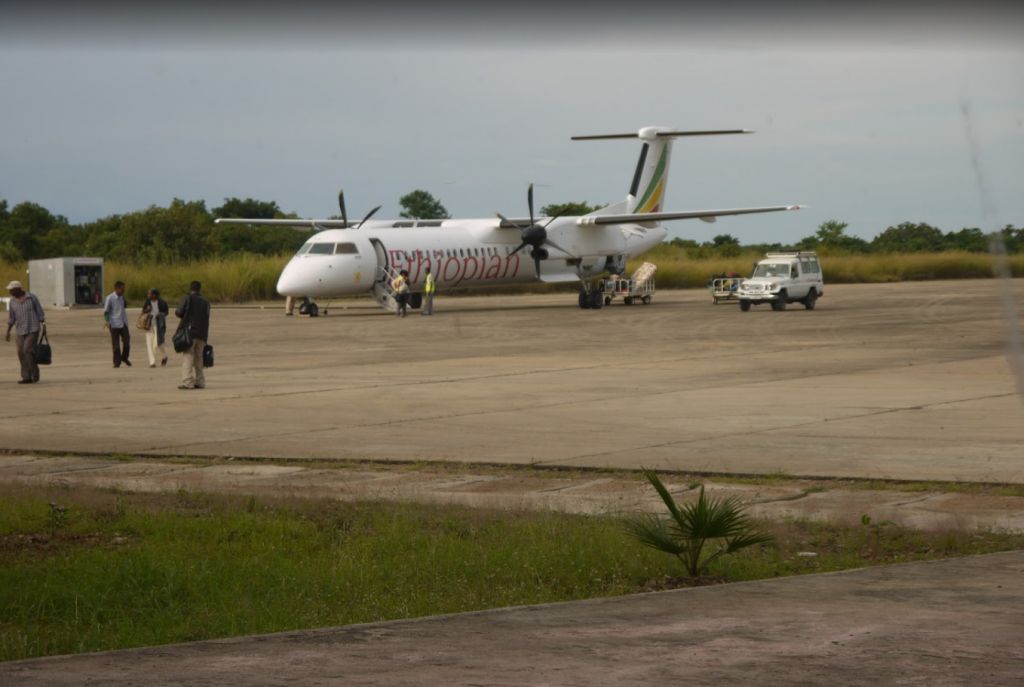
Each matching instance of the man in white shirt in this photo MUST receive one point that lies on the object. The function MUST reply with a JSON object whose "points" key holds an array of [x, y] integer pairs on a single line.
{"points": [[117, 322]]}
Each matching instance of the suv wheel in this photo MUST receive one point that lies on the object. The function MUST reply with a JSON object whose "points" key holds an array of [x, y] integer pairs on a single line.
{"points": [[744, 305], [812, 298], [780, 301]]}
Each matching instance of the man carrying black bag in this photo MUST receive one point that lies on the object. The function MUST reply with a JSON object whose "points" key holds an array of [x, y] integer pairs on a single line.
{"points": [[194, 312], [28, 320]]}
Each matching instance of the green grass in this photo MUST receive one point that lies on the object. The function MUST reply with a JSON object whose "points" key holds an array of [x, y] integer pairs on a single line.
{"points": [[118, 569]]}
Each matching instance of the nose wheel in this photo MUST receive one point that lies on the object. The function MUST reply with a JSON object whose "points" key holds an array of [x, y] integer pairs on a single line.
{"points": [[309, 308]]}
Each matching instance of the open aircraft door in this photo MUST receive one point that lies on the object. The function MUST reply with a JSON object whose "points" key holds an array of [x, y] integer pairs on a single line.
{"points": [[382, 283], [383, 267]]}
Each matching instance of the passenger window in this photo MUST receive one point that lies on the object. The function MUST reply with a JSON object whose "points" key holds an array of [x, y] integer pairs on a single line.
{"points": [[346, 249], [321, 249]]}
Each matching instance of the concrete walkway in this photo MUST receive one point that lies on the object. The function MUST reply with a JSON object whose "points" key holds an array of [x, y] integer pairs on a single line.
{"points": [[954, 622], [521, 488]]}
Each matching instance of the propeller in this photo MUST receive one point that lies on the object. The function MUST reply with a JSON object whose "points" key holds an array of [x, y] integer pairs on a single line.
{"points": [[535, 235], [344, 214]]}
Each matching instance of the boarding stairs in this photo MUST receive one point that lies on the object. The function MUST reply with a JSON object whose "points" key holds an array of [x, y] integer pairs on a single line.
{"points": [[382, 291]]}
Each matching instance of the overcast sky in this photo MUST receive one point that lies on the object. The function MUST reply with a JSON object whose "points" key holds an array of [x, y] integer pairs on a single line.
{"points": [[871, 117]]}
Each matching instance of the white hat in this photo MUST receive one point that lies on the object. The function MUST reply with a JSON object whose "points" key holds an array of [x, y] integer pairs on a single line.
{"points": [[14, 285]]}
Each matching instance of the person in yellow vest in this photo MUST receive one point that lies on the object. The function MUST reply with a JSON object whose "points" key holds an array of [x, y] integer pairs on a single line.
{"points": [[429, 287], [400, 285]]}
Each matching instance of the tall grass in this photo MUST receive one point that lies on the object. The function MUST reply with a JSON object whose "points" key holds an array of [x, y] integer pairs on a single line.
{"points": [[248, 277], [225, 280], [677, 271]]}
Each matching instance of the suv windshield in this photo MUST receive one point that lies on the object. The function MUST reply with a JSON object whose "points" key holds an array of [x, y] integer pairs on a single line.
{"points": [[772, 269]]}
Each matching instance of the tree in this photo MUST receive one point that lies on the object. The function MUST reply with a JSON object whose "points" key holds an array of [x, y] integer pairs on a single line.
{"points": [[909, 237], [249, 208], [697, 533], [571, 209], [972, 240], [831, 235], [24, 227], [419, 204]]}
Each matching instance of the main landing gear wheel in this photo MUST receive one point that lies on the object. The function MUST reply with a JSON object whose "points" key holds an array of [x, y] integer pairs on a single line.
{"points": [[584, 300], [313, 310], [596, 300]]}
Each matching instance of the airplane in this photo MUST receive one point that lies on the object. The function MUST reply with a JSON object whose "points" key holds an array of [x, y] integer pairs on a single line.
{"points": [[345, 257]]}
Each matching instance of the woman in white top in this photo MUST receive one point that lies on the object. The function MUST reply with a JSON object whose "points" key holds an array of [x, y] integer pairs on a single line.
{"points": [[156, 307]]}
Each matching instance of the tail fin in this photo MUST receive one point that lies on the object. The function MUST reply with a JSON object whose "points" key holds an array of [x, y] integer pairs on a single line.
{"points": [[647, 191]]}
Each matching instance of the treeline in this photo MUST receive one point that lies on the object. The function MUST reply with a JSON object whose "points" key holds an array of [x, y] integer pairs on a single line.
{"points": [[832, 239], [184, 231], [181, 232]]}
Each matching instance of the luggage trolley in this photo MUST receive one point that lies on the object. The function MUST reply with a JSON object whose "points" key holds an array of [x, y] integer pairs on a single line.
{"points": [[724, 288], [639, 287]]}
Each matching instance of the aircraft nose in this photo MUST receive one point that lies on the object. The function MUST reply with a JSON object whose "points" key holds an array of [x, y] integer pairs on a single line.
{"points": [[290, 283]]}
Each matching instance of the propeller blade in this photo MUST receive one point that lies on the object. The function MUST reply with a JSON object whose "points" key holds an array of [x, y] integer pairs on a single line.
{"points": [[522, 245], [536, 264], [503, 218], [529, 200], [341, 206], [368, 216], [555, 245], [557, 215]]}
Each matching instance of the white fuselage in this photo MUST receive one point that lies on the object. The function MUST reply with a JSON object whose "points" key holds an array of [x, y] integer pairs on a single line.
{"points": [[459, 253]]}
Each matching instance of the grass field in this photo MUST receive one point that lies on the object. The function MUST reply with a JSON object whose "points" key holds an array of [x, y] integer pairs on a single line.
{"points": [[117, 569], [253, 278]]}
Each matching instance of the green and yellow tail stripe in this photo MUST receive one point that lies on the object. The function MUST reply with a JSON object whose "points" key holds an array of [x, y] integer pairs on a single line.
{"points": [[651, 199]]}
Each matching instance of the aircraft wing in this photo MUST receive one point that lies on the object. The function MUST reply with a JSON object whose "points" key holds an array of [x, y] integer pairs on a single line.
{"points": [[297, 224], [654, 217]]}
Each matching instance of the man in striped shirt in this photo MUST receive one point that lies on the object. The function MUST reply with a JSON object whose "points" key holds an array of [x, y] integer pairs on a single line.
{"points": [[26, 317]]}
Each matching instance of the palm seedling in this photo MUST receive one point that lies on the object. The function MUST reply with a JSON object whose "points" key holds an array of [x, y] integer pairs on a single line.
{"points": [[696, 533]]}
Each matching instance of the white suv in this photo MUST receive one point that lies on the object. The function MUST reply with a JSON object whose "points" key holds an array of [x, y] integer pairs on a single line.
{"points": [[783, 278]]}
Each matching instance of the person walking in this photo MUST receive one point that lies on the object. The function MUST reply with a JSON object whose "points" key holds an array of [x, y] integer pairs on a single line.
{"points": [[194, 313], [400, 284], [429, 287], [27, 319], [157, 310], [116, 320]]}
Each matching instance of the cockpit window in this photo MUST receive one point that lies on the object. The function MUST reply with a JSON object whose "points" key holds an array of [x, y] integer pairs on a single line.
{"points": [[321, 249], [305, 248], [346, 249]]}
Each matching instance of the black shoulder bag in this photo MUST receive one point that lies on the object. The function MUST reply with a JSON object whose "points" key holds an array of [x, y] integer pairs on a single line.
{"points": [[182, 338]]}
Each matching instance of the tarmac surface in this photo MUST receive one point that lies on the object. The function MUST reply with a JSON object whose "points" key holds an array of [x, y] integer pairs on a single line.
{"points": [[900, 381], [894, 381], [952, 622]]}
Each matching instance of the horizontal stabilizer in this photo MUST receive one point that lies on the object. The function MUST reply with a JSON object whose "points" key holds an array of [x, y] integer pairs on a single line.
{"points": [[655, 217], [663, 134]]}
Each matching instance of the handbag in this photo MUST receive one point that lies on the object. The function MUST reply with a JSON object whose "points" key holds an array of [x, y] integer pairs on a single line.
{"points": [[42, 351], [145, 321], [207, 355], [182, 339]]}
